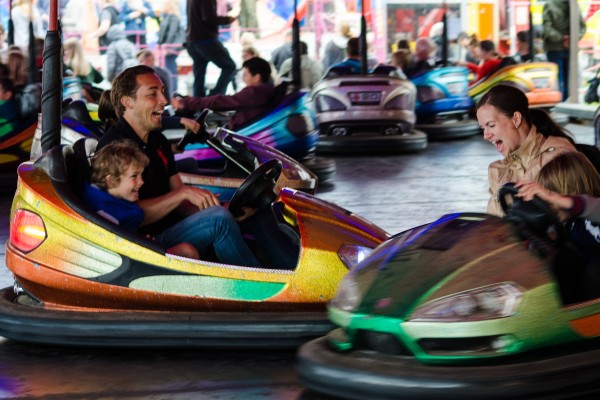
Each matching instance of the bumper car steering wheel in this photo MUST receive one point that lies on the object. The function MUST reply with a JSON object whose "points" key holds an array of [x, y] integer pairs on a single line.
{"points": [[536, 215], [258, 190]]}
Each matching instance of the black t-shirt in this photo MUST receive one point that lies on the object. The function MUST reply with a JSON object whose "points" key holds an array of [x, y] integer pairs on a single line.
{"points": [[158, 172]]}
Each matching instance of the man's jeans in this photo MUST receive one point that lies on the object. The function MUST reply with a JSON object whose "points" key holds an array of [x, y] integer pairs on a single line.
{"points": [[561, 58], [212, 226], [203, 52]]}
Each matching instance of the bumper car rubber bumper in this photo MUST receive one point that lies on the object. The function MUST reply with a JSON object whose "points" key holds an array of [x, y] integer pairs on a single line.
{"points": [[364, 374], [450, 129], [22, 319], [373, 144]]}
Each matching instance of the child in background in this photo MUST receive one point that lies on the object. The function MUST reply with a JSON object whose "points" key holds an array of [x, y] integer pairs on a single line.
{"points": [[115, 183], [8, 106]]}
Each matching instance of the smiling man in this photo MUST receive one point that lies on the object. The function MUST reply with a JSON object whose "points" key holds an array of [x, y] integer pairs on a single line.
{"points": [[138, 97]]}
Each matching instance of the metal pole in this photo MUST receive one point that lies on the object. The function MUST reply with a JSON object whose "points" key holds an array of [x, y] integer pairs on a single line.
{"points": [[11, 26], [52, 82], [296, 76], [574, 16], [364, 67]]}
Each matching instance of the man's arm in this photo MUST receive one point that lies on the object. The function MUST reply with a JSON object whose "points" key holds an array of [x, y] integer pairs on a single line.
{"points": [[158, 207], [248, 97]]}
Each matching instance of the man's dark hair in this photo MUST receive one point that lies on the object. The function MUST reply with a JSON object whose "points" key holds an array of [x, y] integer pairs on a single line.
{"points": [[258, 66], [303, 48], [523, 36], [125, 85], [487, 45], [403, 44], [353, 49]]}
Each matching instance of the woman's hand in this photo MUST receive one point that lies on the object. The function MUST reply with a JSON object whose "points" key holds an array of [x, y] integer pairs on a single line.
{"points": [[527, 190]]}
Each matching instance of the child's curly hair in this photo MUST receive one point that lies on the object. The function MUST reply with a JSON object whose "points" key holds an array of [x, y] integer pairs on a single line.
{"points": [[113, 160]]}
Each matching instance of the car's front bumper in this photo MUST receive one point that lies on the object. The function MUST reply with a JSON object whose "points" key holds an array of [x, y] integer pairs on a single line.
{"points": [[553, 374]]}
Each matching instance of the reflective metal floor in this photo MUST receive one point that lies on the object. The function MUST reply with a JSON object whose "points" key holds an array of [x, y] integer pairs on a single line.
{"points": [[395, 192]]}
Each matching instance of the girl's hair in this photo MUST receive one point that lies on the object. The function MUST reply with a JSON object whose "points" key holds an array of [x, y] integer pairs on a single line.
{"points": [[17, 65], [570, 174], [78, 63], [114, 159], [106, 110]]}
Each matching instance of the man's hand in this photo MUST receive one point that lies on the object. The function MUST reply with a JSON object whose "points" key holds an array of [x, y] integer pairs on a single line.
{"points": [[201, 198]]}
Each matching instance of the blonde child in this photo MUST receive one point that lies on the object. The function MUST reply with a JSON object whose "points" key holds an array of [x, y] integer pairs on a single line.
{"points": [[114, 190]]}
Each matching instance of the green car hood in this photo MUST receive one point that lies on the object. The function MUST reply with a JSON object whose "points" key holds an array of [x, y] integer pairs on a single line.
{"points": [[456, 253]]}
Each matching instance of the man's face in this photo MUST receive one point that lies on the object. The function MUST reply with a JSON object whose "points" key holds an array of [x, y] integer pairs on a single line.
{"points": [[249, 79], [144, 110]]}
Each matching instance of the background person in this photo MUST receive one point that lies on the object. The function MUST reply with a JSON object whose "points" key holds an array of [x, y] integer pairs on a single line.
{"points": [[556, 21], [203, 46]]}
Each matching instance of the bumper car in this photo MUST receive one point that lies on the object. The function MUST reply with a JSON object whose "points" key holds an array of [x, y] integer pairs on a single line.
{"points": [[238, 155], [539, 81], [366, 113], [288, 126], [82, 280], [15, 142], [443, 104], [441, 311]]}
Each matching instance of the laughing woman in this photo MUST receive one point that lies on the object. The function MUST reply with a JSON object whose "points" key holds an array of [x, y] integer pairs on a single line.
{"points": [[503, 114]]}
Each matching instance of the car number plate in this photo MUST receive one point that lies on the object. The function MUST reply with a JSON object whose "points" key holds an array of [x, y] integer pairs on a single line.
{"points": [[365, 98], [540, 83]]}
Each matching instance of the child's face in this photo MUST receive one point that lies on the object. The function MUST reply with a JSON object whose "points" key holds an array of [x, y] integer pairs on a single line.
{"points": [[129, 186]]}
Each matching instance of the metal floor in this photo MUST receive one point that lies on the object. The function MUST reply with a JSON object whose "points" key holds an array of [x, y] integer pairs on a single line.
{"points": [[394, 192]]}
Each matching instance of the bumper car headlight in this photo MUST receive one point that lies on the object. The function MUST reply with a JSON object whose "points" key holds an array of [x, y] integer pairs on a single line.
{"points": [[352, 255], [425, 94], [328, 103], [491, 302], [348, 294]]}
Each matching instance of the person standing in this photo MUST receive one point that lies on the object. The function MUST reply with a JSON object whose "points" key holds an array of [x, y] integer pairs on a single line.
{"points": [[203, 45], [134, 13], [556, 22], [248, 18], [109, 16], [171, 36]]}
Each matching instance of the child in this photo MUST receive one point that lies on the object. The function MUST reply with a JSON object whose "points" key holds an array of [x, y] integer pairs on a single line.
{"points": [[115, 183], [8, 106], [571, 185]]}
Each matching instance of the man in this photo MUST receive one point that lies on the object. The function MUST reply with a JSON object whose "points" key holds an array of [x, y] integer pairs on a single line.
{"points": [[203, 45], [139, 101], [522, 45], [352, 60], [248, 103], [8, 106], [311, 71], [146, 57], [556, 20]]}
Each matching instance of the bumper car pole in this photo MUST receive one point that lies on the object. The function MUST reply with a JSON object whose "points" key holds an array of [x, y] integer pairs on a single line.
{"points": [[52, 82]]}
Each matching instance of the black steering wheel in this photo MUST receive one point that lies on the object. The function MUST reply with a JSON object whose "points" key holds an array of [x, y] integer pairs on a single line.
{"points": [[536, 215], [191, 137], [258, 190]]}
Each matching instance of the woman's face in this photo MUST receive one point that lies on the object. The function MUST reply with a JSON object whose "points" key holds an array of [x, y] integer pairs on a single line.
{"points": [[499, 129]]}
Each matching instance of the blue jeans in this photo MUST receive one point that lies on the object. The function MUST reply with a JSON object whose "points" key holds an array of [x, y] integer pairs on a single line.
{"points": [[212, 226], [561, 58], [171, 65], [203, 52]]}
